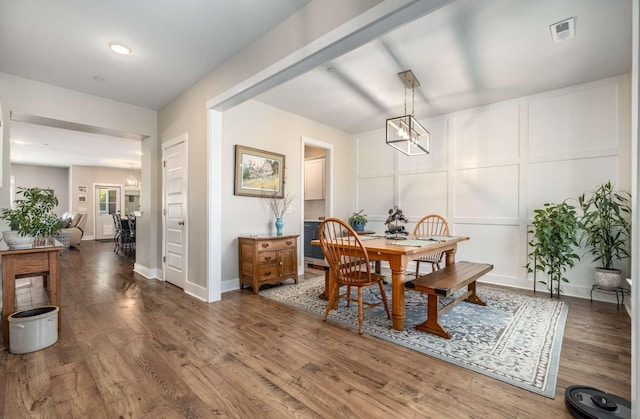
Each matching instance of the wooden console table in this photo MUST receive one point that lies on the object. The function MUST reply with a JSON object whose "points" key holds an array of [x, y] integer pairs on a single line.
{"points": [[37, 261]]}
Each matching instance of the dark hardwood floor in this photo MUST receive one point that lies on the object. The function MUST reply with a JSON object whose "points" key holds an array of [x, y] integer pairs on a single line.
{"points": [[133, 348]]}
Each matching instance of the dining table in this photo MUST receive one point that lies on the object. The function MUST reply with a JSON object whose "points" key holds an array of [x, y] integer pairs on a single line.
{"points": [[398, 253]]}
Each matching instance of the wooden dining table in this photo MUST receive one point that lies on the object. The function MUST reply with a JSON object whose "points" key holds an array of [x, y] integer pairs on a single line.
{"points": [[398, 253]]}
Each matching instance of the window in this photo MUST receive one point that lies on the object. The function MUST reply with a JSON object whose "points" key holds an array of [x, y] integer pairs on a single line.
{"points": [[107, 201]]}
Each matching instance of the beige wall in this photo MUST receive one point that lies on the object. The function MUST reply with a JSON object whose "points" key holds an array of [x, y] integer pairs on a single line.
{"points": [[35, 98], [44, 177], [187, 115], [90, 176], [277, 131]]}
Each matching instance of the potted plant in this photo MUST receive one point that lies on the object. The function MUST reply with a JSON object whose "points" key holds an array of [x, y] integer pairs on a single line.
{"points": [[358, 220], [606, 230], [31, 218], [555, 232]]}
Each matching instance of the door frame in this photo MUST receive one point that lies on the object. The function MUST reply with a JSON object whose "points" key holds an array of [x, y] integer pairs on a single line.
{"points": [[95, 204], [328, 195], [167, 144]]}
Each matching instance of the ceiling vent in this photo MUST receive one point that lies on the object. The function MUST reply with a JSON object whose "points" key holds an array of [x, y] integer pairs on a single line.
{"points": [[563, 30]]}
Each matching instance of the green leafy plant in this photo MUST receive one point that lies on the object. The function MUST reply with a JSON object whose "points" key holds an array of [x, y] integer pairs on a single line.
{"points": [[605, 225], [33, 214], [555, 231], [358, 220]]}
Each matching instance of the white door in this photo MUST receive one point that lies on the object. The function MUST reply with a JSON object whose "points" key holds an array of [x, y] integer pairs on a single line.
{"points": [[174, 179], [107, 199]]}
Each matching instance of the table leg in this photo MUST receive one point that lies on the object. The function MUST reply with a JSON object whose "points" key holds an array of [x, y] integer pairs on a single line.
{"points": [[54, 283], [397, 293], [450, 256], [8, 295]]}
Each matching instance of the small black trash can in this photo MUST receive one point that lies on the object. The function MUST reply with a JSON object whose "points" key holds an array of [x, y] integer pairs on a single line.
{"points": [[33, 329]]}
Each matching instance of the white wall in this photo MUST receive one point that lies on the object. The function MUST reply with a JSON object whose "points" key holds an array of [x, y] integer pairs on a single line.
{"points": [[490, 167], [280, 132]]}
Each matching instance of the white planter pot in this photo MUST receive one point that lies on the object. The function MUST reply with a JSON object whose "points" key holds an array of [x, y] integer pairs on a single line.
{"points": [[608, 278], [14, 240]]}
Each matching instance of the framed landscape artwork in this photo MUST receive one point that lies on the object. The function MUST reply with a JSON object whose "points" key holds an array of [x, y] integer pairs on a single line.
{"points": [[258, 173]]}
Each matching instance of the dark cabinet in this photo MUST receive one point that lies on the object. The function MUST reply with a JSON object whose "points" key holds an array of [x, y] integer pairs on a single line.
{"points": [[311, 233]]}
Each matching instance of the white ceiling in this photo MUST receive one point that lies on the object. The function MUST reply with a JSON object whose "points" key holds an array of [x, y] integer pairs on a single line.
{"points": [[175, 43], [466, 54]]}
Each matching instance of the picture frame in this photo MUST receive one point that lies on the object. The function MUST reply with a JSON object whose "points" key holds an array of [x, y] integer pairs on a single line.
{"points": [[259, 173], [83, 189], [82, 198]]}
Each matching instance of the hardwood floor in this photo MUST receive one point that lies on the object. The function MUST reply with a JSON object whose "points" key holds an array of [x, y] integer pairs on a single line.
{"points": [[132, 348]]}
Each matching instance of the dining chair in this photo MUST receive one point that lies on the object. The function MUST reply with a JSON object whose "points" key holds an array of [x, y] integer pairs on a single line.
{"points": [[431, 225], [349, 265]]}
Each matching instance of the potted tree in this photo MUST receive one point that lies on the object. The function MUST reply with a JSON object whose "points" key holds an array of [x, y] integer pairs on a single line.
{"points": [[358, 220], [605, 231], [555, 230], [31, 218]]}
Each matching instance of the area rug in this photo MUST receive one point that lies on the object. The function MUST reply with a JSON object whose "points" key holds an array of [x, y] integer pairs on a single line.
{"points": [[515, 338]]}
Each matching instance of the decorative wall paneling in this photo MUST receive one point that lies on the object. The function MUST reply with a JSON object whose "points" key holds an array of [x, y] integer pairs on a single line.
{"points": [[490, 167]]}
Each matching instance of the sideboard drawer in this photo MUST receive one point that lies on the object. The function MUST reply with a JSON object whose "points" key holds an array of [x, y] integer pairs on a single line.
{"points": [[277, 244], [268, 272], [267, 257]]}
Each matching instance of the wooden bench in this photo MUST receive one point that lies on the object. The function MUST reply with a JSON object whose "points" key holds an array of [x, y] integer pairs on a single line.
{"points": [[444, 283]]}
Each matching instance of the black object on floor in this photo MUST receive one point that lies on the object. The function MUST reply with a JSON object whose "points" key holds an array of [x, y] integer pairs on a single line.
{"points": [[591, 403]]}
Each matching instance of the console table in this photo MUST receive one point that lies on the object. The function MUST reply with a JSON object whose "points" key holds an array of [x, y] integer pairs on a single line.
{"points": [[267, 260], [37, 261]]}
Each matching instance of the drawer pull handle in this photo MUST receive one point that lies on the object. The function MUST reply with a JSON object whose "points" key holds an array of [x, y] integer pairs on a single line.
{"points": [[267, 258], [265, 245], [289, 243], [267, 273]]}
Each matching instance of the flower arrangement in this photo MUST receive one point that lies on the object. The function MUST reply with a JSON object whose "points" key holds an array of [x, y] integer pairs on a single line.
{"points": [[279, 205]]}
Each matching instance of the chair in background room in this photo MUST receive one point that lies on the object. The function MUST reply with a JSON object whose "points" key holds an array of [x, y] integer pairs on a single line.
{"points": [[349, 265], [124, 236], [431, 225]]}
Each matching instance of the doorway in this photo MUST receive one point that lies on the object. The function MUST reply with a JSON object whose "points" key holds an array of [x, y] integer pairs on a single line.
{"points": [[107, 199], [316, 191]]}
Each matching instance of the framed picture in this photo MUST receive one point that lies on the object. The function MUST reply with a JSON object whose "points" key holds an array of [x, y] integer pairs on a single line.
{"points": [[82, 189], [82, 198], [259, 173]]}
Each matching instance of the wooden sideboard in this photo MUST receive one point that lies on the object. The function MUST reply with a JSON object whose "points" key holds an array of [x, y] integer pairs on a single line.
{"points": [[36, 261], [267, 260]]}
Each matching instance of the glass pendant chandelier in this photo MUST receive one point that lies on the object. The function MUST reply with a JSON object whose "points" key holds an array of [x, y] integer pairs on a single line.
{"points": [[130, 179], [404, 133]]}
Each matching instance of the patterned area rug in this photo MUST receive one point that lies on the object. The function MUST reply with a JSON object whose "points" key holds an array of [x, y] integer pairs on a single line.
{"points": [[516, 338]]}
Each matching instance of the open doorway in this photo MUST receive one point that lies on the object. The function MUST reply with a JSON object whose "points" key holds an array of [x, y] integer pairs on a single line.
{"points": [[316, 203]]}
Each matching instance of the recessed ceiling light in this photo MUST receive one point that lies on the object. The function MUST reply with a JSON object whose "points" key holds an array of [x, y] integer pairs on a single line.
{"points": [[120, 49]]}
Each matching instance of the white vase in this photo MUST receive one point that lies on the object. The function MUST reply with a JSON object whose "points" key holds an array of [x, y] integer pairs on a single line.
{"points": [[14, 240], [609, 279]]}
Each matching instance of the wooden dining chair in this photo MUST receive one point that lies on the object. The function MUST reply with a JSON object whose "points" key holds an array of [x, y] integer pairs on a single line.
{"points": [[431, 225], [349, 265]]}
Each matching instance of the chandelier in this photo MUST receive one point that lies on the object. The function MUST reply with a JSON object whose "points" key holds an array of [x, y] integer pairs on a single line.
{"points": [[404, 133]]}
